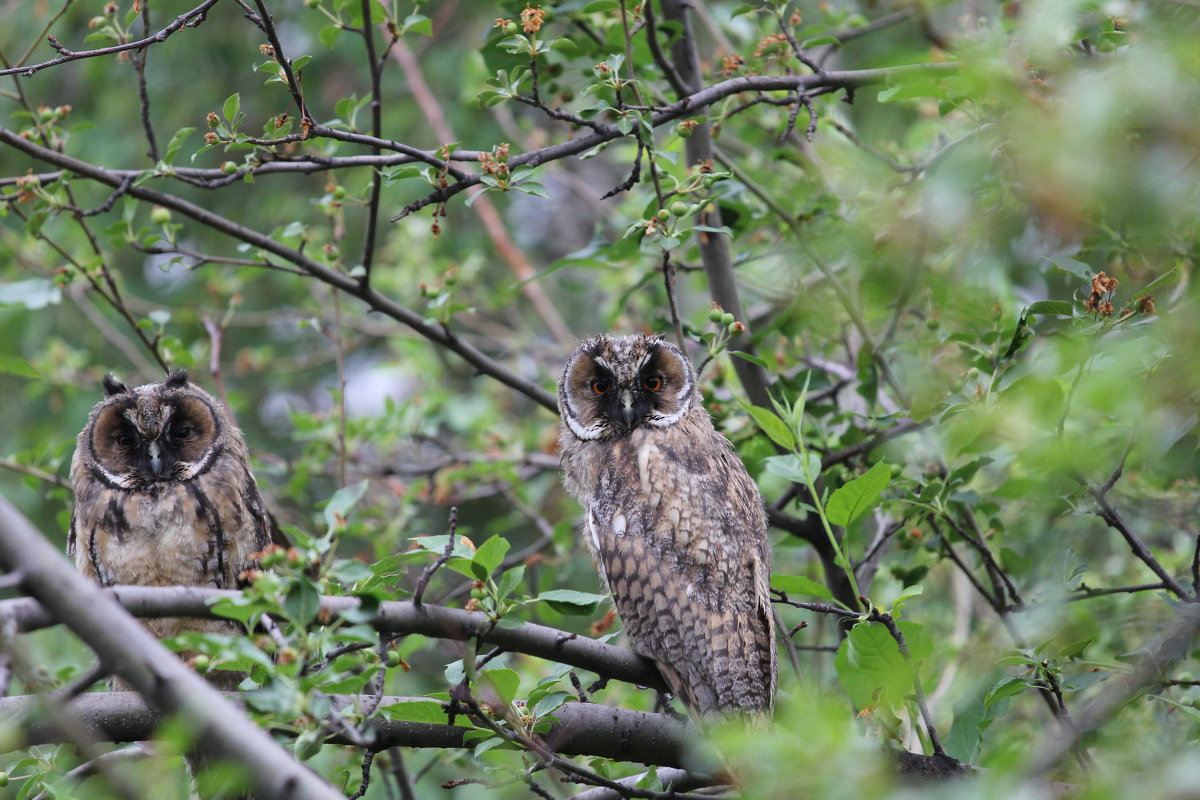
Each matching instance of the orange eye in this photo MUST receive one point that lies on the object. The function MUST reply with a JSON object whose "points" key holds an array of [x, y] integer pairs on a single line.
{"points": [[653, 384], [600, 387]]}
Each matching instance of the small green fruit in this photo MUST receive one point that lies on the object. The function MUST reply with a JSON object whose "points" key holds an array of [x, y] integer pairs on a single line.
{"points": [[160, 215], [727, 318], [663, 214], [393, 658], [715, 313], [202, 663], [511, 28], [229, 168], [339, 193], [679, 208]]}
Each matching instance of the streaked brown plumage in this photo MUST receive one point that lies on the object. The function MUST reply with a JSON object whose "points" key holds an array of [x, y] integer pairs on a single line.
{"points": [[164, 496], [673, 520]]}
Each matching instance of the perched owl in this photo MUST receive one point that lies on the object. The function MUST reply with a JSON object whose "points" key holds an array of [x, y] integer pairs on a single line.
{"points": [[164, 495], [673, 520]]}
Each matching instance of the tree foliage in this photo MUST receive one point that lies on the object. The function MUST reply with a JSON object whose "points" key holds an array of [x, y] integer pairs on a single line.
{"points": [[932, 260]]}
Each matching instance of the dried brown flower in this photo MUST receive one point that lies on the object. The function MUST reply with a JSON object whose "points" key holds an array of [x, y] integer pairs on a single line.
{"points": [[769, 42], [532, 18], [1146, 303]]}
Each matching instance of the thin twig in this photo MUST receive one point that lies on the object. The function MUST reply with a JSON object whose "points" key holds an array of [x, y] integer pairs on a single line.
{"points": [[423, 581], [188, 18], [368, 760]]}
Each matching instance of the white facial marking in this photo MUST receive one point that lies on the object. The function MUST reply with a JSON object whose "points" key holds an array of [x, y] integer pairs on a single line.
{"points": [[588, 433], [618, 524]]}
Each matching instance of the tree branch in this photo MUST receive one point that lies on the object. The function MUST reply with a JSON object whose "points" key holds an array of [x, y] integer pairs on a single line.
{"points": [[579, 728], [130, 651], [392, 618]]}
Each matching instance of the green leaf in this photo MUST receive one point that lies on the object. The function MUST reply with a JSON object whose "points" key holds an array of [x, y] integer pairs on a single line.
{"points": [[490, 743], [233, 104], [571, 602], [329, 34], [753, 359], [488, 556], [509, 581], [176, 143], [505, 682], [1058, 308], [1005, 689], [419, 24], [12, 365], [798, 584], [416, 711], [344, 499], [772, 426], [1189, 710], [854, 500], [302, 602], [792, 468], [904, 596], [871, 668], [549, 703]]}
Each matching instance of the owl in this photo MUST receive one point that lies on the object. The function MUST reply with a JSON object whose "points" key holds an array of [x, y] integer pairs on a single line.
{"points": [[164, 495], [673, 520]]}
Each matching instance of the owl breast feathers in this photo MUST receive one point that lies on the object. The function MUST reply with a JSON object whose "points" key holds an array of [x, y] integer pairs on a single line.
{"points": [[164, 495], [673, 520]]}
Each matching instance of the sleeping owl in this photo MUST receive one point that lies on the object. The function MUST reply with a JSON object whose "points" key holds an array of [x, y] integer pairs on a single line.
{"points": [[164, 496], [673, 520]]}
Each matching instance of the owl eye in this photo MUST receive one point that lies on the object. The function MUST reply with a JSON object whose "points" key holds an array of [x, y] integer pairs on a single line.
{"points": [[654, 383], [124, 439], [600, 386], [182, 432]]}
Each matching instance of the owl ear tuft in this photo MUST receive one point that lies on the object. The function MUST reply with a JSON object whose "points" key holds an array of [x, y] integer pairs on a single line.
{"points": [[113, 386], [177, 379]]}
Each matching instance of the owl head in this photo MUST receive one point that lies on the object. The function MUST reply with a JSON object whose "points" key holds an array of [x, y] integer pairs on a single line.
{"points": [[153, 435], [614, 384]]}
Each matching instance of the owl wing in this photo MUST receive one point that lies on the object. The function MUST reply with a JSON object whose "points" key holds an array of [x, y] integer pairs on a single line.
{"points": [[684, 551]]}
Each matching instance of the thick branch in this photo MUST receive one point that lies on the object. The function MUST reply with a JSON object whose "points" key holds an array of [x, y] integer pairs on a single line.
{"points": [[128, 650], [714, 249], [392, 618], [580, 728]]}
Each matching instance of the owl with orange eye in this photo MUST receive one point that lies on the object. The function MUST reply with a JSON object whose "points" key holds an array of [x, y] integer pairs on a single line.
{"points": [[672, 519]]}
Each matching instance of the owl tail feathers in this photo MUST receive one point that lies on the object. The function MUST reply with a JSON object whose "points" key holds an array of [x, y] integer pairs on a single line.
{"points": [[705, 702]]}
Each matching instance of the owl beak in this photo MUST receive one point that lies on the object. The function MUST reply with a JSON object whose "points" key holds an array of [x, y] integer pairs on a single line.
{"points": [[156, 463], [628, 415]]}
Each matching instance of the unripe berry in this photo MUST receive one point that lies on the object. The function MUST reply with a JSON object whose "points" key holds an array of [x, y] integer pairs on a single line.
{"points": [[160, 215], [229, 168], [663, 214], [511, 28], [727, 318], [679, 208]]}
